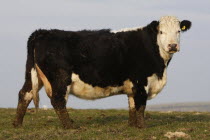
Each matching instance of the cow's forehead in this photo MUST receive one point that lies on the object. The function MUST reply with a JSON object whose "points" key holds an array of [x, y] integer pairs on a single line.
{"points": [[170, 22]]}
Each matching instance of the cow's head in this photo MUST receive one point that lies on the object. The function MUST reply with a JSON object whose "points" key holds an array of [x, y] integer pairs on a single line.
{"points": [[168, 33]]}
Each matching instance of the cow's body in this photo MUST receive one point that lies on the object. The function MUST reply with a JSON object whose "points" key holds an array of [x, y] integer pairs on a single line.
{"points": [[92, 65], [102, 63]]}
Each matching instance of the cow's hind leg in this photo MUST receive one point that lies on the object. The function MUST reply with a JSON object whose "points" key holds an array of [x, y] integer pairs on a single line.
{"points": [[37, 84], [58, 99], [25, 97], [132, 111], [140, 106], [137, 105]]}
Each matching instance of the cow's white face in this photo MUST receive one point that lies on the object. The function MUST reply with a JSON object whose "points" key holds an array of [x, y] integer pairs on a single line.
{"points": [[168, 37]]}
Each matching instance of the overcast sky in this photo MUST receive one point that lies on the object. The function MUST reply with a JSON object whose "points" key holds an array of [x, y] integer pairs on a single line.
{"points": [[188, 72]]}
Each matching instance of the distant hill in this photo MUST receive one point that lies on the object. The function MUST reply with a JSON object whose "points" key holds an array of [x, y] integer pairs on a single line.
{"points": [[183, 107]]}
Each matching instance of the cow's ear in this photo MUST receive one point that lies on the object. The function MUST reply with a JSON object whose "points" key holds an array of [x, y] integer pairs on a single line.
{"points": [[185, 25], [154, 25]]}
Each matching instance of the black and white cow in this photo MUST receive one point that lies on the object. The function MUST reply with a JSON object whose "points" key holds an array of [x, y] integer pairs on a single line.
{"points": [[98, 64]]}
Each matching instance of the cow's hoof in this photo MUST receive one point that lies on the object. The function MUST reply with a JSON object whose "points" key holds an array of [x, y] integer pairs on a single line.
{"points": [[16, 124], [137, 126], [75, 127], [132, 124], [69, 125], [142, 126]]}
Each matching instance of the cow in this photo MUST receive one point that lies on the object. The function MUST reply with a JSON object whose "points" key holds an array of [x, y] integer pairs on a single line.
{"points": [[92, 64]]}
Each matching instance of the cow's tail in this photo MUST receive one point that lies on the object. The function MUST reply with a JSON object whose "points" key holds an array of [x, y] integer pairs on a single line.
{"points": [[31, 73]]}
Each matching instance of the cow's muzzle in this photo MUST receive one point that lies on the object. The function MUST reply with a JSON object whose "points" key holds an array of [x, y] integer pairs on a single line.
{"points": [[173, 48]]}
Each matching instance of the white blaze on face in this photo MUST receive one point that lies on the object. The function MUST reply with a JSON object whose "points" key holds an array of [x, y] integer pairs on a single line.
{"points": [[169, 33]]}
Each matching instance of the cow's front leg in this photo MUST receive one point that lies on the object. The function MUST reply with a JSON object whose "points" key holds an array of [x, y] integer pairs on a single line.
{"points": [[140, 100]]}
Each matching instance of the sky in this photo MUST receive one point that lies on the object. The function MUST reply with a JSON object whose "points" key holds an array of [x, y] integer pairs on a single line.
{"points": [[188, 72]]}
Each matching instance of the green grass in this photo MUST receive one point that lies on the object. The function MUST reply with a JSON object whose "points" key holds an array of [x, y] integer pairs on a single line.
{"points": [[104, 124]]}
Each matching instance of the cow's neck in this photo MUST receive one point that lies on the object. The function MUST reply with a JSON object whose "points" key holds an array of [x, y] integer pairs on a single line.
{"points": [[161, 58], [159, 52], [160, 55]]}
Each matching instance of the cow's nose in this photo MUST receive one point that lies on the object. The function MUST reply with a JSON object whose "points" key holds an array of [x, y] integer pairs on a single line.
{"points": [[173, 48], [172, 45]]}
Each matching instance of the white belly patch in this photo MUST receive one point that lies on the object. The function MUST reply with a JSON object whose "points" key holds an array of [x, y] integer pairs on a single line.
{"points": [[87, 91], [155, 85]]}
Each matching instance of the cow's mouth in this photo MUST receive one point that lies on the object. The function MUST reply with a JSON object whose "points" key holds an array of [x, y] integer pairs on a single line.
{"points": [[173, 50]]}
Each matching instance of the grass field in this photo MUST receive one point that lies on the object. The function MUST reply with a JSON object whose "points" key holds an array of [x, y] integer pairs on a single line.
{"points": [[106, 124]]}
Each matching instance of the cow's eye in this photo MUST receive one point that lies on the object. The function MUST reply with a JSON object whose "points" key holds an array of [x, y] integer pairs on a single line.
{"points": [[161, 32], [179, 31]]}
